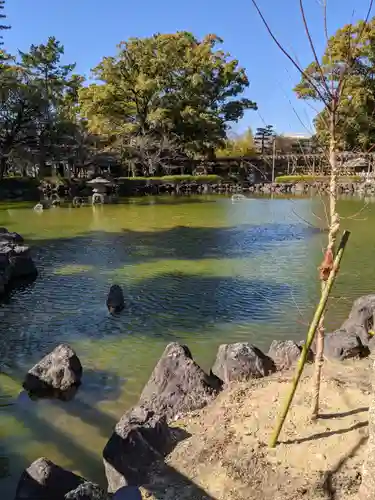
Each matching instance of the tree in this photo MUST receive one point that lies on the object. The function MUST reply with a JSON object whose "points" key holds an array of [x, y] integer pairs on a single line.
{"points": [[238, 145], [325, 80], [55, 85], [19, 104], [356, 127], [167, 84], [263, 138]]}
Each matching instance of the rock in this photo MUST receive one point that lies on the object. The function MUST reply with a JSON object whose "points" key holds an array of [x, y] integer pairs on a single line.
{"points": [[58, 372], [87, 491], [43, 480], [177, 384], [10, 237], [341, 345], [21, 262], [115, 299], [15, 259], [241, 361], [285, 353], [140, 439], [361, 318]]}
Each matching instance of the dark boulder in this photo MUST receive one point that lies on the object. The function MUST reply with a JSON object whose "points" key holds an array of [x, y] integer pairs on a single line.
{"points": [[56, 374], [241, 361], [285, 353], [340, 345], [177, 384], [21, 263], [115, 299], [43, 480], [15, 259], [141, 438], [87, 491], [10, 237]]}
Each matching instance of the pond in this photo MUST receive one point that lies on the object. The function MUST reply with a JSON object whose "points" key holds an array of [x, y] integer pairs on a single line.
{"points": [[198, 270]]}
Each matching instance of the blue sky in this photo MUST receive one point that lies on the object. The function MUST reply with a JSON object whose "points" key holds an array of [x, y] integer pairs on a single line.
{"points": [[91, 29]]}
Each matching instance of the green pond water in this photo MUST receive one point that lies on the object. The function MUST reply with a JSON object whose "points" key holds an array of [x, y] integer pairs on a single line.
{"points": [[199, 270]]}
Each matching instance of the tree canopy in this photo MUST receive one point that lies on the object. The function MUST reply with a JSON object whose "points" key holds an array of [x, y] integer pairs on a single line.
{"points": [[351, 50], [167, 84]]}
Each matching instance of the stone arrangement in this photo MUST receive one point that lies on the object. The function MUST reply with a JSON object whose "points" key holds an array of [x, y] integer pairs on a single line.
{"points": [[144, 436]]}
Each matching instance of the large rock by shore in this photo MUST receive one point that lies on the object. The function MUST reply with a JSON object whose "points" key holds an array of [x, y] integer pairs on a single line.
{"points": [[140, 439], [15, 259], [177, 384], [44, 480], [58, 374], [241, 361]]}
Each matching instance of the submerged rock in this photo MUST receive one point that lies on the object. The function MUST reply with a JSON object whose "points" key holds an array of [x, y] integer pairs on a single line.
{"points": [[115, 299], [58, 373], [177, 384], [341, 345], [140, 439], [241, 361], [44, 480]]}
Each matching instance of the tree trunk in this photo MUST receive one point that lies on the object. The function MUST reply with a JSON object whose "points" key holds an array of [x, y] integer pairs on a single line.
{"points": [[334, 226]]}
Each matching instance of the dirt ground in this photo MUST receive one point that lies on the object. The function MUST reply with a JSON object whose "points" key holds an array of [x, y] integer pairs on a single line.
{"points": [[227, 455]]}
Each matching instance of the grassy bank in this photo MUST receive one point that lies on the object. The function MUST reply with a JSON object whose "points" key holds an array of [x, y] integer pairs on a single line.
{"points": [[286, 179]]}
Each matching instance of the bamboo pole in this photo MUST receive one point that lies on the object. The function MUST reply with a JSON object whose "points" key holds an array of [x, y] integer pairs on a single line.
{"points": [[310, 336]]}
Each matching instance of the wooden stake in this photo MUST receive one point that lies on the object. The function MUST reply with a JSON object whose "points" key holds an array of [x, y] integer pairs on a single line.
{"points": [[310, 336]]}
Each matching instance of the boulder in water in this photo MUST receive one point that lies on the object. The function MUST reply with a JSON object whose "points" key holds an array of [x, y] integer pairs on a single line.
{"points": [[140, 439], [241, 361], [44, 480], [56, 374], [177, 384], [15, 259], [115, 299]]}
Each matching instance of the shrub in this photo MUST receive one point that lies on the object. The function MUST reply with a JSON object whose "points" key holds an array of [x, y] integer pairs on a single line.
{"points": [[282, 179]]}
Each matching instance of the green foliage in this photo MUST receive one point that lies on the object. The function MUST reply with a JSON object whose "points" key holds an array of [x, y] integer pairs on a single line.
{"points": [[352, 49], [263, 139], [167, 84], [286, 179], [241, 145]]}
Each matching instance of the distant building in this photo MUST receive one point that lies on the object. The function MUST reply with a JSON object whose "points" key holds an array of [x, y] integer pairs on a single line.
{"points": [[295, 143]]}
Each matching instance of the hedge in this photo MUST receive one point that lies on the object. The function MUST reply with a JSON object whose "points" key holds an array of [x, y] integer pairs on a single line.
{"points": [[315, 178]]}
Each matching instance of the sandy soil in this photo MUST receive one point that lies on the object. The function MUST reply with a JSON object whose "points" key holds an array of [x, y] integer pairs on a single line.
{"points": [[227, 455]]}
